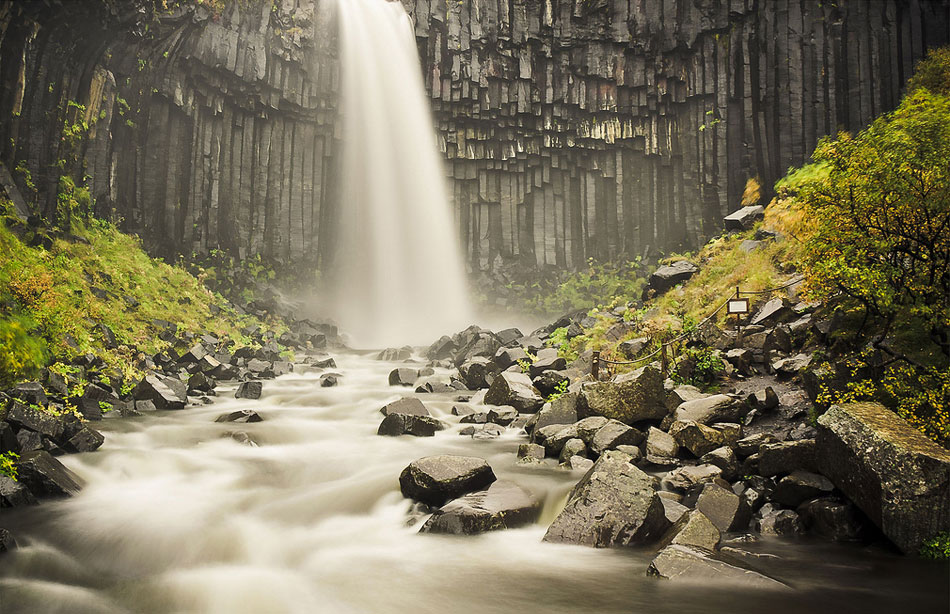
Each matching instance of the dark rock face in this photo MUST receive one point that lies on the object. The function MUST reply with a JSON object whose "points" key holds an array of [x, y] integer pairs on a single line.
{"points": [[242, 415], [409, 406], [434, 480], [516, 390], [403, 377], [669, 275], [639, 396], [7, 542], [614, 504], [695, 564], [503, 505], [898, 477], [249, 390], [45, 476], [604, 128], [395, 424], [164, 391]]}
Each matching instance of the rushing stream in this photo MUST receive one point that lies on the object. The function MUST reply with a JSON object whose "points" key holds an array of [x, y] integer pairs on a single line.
{"points": [[179, 517]]}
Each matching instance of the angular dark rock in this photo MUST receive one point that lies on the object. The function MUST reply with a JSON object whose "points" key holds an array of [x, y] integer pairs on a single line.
{"points": [[395, 424], [799, 486], [329, 380], [637, 396], [201, 383], [505, 357], [787, 456], [45, 476], [436, 479], [572, 447], [772, 521], [698, 565], [744, 218], [717, 408], [249, 390], [562, 410], [24, 417], [14, 494], [86, 440], [164, 391], [502, 415], [503, 505], [614, 434], [7, 542], [614, 504], [403, 376], [695, 437], [661, 448], [686, 477], [832, 519], [898, 477], [692, 528], [549, 381], [30, 393], [242, 415], [478, 373], [407, 405], [725, 459], [669, 275], [516, 390], [727, 510], [530, 451]]}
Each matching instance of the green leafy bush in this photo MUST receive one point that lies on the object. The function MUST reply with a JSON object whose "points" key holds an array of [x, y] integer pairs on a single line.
{"points": [[23, 354], [937, 547], [697, 367], [8, 464]]}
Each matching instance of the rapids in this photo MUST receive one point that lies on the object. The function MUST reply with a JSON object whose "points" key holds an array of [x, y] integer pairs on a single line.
{"points": [[178, 517]]}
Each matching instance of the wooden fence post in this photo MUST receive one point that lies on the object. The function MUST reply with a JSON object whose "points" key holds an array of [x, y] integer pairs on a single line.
{"points": [[595, 365]]}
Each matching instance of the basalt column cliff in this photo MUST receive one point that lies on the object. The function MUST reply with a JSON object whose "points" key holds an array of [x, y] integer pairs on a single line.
{"points": [[571, 128]]}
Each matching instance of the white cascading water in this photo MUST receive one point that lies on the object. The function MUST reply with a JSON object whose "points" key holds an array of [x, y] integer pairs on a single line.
{"points": [[400, 276]]}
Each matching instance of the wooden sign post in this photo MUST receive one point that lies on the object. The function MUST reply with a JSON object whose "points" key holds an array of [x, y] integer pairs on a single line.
{"points": [[738, 307]]}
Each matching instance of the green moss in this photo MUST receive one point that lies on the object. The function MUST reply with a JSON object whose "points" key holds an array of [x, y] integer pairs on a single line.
{"points": [[52, 301]]}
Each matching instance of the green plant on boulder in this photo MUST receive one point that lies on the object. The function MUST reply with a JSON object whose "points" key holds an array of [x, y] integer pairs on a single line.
{"points": [[937, 547]]}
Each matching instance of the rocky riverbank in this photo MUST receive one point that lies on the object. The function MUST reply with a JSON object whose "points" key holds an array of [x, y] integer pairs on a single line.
{"points": [[690, 474]]}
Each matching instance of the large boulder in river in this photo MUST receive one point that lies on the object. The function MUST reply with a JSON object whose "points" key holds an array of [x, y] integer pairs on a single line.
{"points": [[403, 376], [437, 479], [407, 405], [503, 505], [699, 565], [515, 389], [635, 397], [478, 372], [164, 391], [395, 424], [898, 477], [614, 504]]}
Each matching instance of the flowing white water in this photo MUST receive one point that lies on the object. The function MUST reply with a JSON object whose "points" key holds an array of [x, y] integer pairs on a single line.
{"points": [[399, 273], [177, 518]]}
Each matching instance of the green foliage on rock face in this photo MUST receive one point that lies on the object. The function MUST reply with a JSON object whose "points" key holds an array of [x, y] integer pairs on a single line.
{"points": [[596, 285], [876, 244], [55, 293], [937, 547], [8, 464], [881, 221], [698, 367]]}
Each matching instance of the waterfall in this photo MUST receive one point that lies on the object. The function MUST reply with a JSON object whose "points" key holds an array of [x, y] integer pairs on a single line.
{"points": [[399, 275]]}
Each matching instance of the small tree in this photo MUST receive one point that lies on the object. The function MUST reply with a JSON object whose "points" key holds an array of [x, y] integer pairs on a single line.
{"points": [[881, 219]]}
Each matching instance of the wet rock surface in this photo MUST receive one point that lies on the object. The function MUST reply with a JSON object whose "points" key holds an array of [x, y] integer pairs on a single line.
{"points": [[614, 504], [436, 479], [503, 505]]}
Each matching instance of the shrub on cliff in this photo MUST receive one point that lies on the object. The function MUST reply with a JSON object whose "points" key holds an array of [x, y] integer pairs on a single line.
{"points": [[878, 243]]}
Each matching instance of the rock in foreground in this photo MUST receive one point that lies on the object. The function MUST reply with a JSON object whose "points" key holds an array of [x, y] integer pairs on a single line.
{"points": [[694, 564], [898, 477], [615, 504], [503, 505], [437, 479]]}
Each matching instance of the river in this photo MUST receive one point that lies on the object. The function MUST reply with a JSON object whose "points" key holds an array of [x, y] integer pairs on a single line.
{"points": [[179, 517]]}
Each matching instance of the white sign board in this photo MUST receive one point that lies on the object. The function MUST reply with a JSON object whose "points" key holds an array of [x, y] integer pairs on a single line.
{"points": [[738, 306]]}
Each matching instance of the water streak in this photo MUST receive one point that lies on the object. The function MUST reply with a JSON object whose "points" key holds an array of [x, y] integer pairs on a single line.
{"points": [[399, 273]]}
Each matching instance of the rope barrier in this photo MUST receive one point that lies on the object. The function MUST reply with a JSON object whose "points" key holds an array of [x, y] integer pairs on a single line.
{"points": [[596, 360]]}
